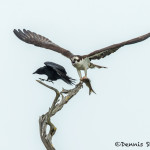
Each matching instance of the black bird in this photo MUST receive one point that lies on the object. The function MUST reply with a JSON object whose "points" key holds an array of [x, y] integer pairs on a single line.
{"points": [[54, 72]]}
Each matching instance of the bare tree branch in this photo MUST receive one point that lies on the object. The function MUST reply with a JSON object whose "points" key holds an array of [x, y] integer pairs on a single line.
{"points": [[57, 105]]}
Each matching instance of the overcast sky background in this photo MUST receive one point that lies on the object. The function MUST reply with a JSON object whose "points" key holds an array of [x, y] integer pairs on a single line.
{"points": [[121, 107]]}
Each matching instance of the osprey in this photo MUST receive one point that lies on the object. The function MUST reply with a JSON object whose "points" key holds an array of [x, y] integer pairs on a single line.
{"points": [[80, 62], [54, 72]]}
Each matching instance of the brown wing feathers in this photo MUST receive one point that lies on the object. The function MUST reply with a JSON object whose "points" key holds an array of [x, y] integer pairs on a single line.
{"points": [[98, 54], [41, 41]]}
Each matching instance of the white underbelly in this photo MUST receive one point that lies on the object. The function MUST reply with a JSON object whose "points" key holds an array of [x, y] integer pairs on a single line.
{"points": [[83, 64]]}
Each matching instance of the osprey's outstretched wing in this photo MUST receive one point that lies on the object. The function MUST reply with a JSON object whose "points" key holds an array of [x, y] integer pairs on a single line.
{"points": [[98, 54], [41, 41]]}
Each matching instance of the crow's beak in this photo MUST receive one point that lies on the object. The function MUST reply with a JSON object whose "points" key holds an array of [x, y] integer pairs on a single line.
{"points": [[34, 72]]}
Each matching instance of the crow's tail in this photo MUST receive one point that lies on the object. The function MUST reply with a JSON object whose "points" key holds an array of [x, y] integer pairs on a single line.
{"points": [[68, 79]]}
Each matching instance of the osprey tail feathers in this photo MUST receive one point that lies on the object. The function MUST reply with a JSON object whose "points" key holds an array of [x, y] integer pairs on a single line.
{"points": [[97, 66]]}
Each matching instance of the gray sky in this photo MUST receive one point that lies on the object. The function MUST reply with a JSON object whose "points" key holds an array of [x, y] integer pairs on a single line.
{"points": [[120, 109]]}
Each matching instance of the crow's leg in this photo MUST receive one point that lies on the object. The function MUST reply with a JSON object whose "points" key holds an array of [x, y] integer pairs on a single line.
{"points": [[42, 79], [49, 80]]}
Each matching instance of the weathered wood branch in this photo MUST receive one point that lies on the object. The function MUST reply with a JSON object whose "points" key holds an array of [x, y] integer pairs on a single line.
{"points": [[57, 105]]}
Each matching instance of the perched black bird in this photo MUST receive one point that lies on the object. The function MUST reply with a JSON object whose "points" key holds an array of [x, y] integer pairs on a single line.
{"points": [[54, 72]]}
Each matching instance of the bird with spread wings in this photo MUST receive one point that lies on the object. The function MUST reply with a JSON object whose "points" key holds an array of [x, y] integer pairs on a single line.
{"points": [[80, 62]]}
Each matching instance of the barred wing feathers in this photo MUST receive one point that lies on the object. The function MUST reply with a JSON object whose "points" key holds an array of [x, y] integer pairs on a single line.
{"points": [[40, 41], [98, 54]]}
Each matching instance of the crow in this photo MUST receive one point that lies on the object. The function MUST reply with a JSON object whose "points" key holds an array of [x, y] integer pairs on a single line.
{"points": [[54, 72]]}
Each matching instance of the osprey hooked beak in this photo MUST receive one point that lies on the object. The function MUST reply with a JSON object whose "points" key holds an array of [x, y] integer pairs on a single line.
{"points": [[73, 61]]}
